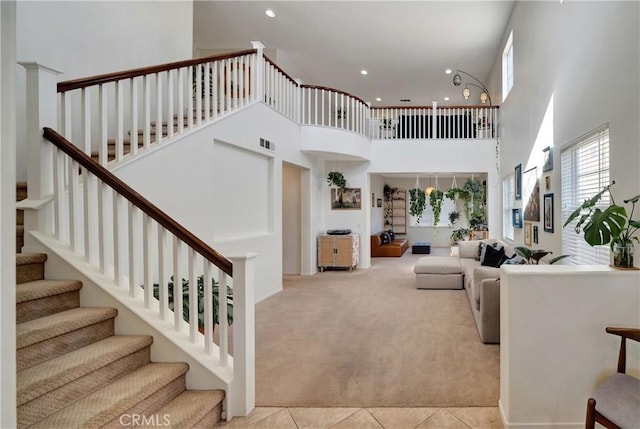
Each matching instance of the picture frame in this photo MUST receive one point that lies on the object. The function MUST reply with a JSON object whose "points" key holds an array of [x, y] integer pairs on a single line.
{"points": [[547, 223], [548, 159], [547, 183], [518, 181], [379, 202], [516, 218], [347, 199], [528, 233], [531, 192], [535, 234]]}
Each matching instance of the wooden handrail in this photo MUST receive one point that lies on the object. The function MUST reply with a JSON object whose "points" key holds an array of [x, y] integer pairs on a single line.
{"points": [[129, 74], [139, 201], [277, 67], [438, 107], [326, 88]]}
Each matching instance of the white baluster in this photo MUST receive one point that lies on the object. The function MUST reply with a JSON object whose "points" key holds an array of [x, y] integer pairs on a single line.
{"points": [[162, 278], [103, 126], [193, 296], [146, 95], [102, 251], [208, 308], [227, 80], [170, 106], [86, 120], [146, 259], [214, 89], [133, 111], [159, 99], [198, 93], [133, 258], [117, 275], [85, 211], [73, 205], [180, 114], [207, 91], [119, 104], [177, 285], [223, 334], [58, 191], [190, 71]]}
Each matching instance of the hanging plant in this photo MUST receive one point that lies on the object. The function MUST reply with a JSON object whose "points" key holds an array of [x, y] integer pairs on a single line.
{"points": [[453, 217], [417, 203], [335, 178], [474, 188], [435, 199]]}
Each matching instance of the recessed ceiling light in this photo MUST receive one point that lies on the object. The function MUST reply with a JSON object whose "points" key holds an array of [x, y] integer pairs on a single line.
{"points": [[446, 98], [378, 99], [270, 13], [364, 72], [448, 71]]}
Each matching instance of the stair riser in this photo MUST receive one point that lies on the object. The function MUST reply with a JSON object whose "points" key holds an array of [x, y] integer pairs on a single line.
{"points": [[210, 419], [29, 272], [41, 407], [36, 308], [37, 353], [148, 406]]}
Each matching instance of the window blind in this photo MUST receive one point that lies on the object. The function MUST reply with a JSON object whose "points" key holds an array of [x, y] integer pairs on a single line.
{"points": [[585, 171], [508, 199]]}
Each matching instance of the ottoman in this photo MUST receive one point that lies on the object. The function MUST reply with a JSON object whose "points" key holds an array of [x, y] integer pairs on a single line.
{"points": [[423, 247], [438, 272]]}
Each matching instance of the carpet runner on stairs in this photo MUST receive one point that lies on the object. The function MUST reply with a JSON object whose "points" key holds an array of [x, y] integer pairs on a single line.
{"points": [[74, 372]]}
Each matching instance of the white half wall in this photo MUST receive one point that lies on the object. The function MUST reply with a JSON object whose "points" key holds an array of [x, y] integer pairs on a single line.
{"points": [[553, 347], [82, 39]]}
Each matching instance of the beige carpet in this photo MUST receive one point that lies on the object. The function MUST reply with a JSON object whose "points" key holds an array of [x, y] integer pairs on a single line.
{"points": [[370, 339]]}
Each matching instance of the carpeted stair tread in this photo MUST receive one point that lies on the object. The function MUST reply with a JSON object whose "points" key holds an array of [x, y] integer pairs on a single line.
{"points": [[43, 328], [39, 289], [21, 191], [190, 407], [31, 258], [107, 404], [47, 376]]}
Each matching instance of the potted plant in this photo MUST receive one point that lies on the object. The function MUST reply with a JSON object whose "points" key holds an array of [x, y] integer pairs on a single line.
{"points": [[610, 226], [335, 178], [215, 286], [435, 199], [458, 235], [453, 217], [417, 203]]}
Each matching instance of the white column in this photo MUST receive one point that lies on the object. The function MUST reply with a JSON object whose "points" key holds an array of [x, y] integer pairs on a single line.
{"points": [[242, 395], [259, 74], [41, 112], [8, 416]]}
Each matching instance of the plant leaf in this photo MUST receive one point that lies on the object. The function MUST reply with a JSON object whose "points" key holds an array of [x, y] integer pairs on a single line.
{"points": [[605, 226], [632, 200], [523, 252], [558, 258]]}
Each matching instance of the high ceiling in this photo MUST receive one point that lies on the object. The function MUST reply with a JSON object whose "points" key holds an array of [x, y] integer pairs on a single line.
{"points": [[404, 45]]}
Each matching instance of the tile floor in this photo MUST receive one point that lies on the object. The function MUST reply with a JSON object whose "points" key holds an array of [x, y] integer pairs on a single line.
{"points": [[369, 418]]}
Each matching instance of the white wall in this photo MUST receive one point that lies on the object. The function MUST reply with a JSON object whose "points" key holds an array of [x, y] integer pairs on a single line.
{"points": [[291, 219], [227, 190], [554, 351], [82, 39], [584, 57], [7, 215], [377, 213]]}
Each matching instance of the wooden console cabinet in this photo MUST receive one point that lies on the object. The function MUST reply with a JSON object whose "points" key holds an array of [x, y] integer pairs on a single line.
{"points": [[338, 251]]}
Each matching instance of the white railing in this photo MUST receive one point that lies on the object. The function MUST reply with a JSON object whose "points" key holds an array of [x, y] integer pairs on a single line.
{"points": [[432, 122], [281, 91], [119, 113], [333, 108], [128, 240]]}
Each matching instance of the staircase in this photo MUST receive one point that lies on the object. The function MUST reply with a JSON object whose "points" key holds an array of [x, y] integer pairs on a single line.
{"points": [[73, 371]]}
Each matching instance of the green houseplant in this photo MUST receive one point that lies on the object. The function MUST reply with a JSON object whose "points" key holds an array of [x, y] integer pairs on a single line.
{"points": [[435, 199], [457, 235], [335, 178], [610, 226], [215, 287], [417, 203]]}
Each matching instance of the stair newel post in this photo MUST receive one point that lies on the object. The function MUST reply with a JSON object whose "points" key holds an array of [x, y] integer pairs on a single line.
{"points": [[242, 396], [258, 76], [41, 109]]}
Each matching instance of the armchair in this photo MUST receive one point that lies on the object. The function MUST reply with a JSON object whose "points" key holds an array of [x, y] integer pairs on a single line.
{"points": [[616, 403]]}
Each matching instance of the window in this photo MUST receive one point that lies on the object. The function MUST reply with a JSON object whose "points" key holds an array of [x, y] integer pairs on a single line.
{"points": [[507, 67], [585, 171], [508, 199], [427, 216]]}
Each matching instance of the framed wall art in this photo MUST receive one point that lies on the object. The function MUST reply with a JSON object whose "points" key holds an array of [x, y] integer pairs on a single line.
{"points": [[379, 202], [349, 199], [548, 212], [516, 218], [548, 159], [531, 192], [528, 233], [518, 181], [535, 234]]}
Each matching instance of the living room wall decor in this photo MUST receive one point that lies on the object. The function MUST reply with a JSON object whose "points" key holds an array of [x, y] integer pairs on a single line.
{"points": [[516, 218], [347, 199], [532, 193], [518, 181]]}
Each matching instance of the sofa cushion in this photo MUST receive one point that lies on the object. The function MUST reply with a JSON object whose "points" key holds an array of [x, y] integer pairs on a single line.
{"points": [[468, 249], [479, 274], [515, 260], [493, 256], [437, 265]]}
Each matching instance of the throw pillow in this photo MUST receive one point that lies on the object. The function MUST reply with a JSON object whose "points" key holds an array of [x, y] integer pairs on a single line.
{"points": [[481, 248], [515, 260], [493, 257], [385, 238], [392, 235]]}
